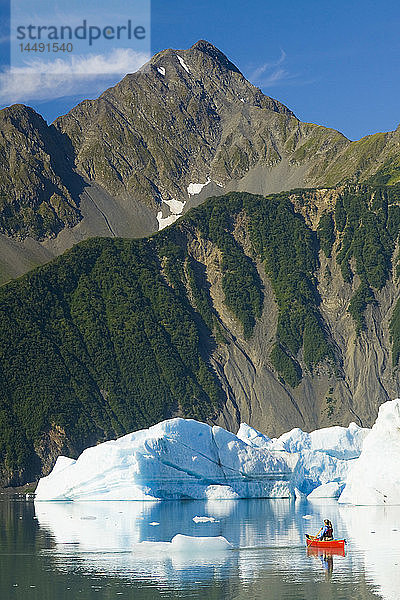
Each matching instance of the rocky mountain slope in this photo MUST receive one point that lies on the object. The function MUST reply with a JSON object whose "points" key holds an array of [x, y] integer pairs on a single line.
{"points": [[186, 126], [279, 311]]}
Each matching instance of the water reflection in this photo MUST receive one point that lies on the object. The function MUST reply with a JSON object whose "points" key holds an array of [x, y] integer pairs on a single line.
{"points": [[99, 540], [375, 530], [101, 537], [326, 557]]}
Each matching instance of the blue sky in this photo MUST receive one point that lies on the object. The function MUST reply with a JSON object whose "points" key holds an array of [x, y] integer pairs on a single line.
{"points": [[333, 63]]}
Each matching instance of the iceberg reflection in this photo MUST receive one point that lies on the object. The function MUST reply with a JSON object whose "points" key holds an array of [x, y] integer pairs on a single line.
{"points": [[375, 530], [105, 539]]}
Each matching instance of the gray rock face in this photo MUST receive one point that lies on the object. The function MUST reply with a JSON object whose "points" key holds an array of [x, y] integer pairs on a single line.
{"points": [[255, 393], [117, 165]]}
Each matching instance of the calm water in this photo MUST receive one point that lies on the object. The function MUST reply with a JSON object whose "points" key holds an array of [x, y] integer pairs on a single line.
{"points": [[59, 551]]}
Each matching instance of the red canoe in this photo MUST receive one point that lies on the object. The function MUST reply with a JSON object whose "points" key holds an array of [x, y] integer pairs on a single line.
{"points": [[326, 545]]}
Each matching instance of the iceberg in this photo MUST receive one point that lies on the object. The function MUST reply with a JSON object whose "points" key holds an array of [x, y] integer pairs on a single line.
{"points": [[185, 459], [324, 455], [340, 442], [375, 476], [175, 459]]}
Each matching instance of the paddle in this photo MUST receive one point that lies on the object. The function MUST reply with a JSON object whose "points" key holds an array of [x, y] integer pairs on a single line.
{"points": [[313, 537]]}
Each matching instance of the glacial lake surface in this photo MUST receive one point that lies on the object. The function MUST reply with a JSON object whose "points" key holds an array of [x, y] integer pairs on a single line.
{"points": [[60, 551]]}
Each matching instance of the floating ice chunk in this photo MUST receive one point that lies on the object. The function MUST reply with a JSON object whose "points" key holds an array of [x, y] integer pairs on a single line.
{"points": [[157, 463], [205, 520], [331, 489], [182, 458], [161, 70], [186, 543], [341, 442], [375, 476], [195, 188], [295, 440], [184, 65], [316, 468], [220, 492]]}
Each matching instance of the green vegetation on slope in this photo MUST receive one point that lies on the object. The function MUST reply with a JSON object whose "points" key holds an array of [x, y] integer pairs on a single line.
{"points": [[326, 233], [97, 344], [118, 334], [368, 220], [240, 280], [289, 250], [388, 174]]}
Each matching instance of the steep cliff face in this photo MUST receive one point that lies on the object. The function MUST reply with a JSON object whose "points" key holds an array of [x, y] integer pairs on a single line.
{"points": [[365, 372], [187, 126], [280, 311], [38, 188], [365, 376]]}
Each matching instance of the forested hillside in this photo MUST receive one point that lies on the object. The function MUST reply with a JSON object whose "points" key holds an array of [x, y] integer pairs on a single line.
{"points": [[230, 314]]}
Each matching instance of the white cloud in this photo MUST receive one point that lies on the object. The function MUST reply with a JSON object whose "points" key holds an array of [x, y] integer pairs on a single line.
{"points": [[267, 66], [271, 73], [41, 80]]}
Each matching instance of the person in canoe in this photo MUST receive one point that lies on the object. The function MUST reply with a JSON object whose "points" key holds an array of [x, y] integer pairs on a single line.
{"points": [[325, 533]]}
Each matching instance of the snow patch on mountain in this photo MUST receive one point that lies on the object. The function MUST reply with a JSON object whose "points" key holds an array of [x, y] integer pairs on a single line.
{"points": [[184, 65], [195, 188], [175, 208]]}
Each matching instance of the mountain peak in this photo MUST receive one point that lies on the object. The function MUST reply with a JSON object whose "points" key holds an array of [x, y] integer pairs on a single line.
{"points": [[215, 54]]}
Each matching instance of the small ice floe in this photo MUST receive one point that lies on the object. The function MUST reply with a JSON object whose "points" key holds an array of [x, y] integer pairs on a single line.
{"points": [[195, 188], [161, 70], [205, 520], [154, 523], [185, 543], [184, 65]]}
